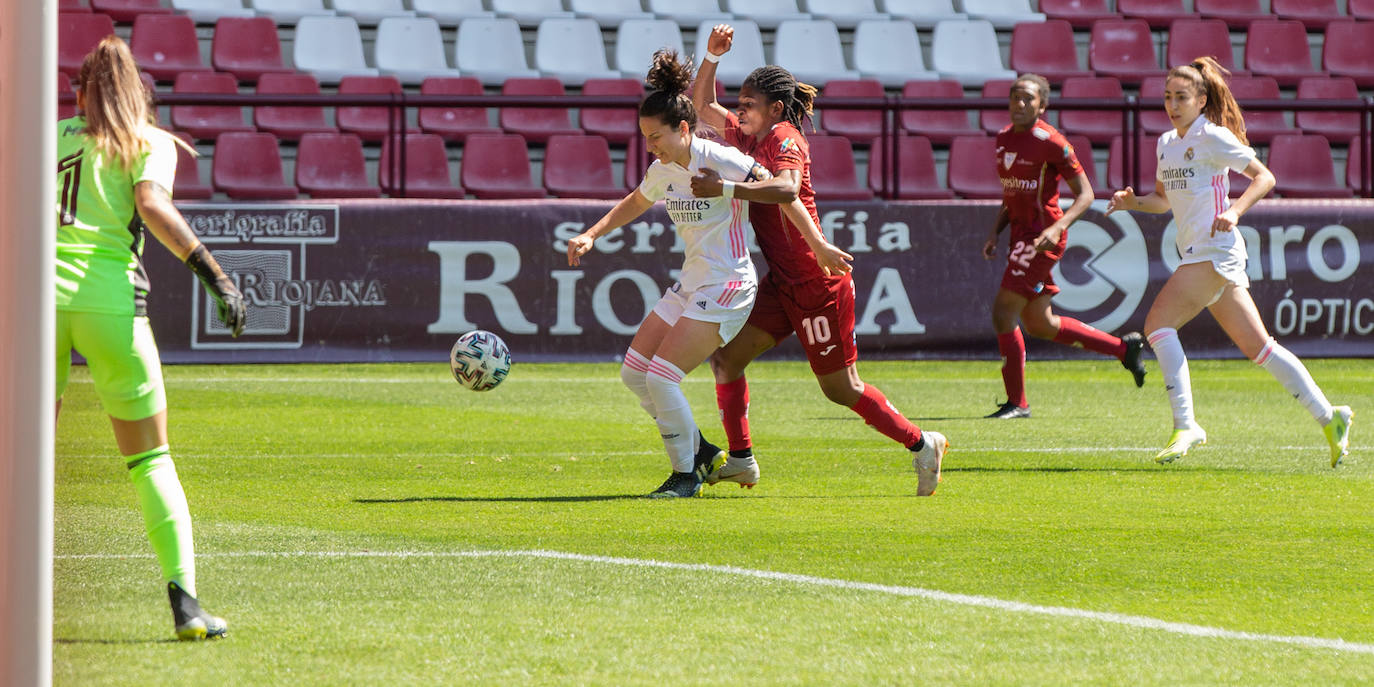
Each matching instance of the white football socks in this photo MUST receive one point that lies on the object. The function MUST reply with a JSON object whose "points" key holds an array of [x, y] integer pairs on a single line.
{"points": [[675, 422], [1173, 366], [632, 372], [1293, 375]]}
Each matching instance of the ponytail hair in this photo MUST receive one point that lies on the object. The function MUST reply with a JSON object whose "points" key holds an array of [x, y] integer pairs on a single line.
{"points": [[118, 107], [778, 85], [669, 80], [1209, 79]]}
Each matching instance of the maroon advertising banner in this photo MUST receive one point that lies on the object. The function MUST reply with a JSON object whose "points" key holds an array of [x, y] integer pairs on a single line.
{"points": [[394, 280]]}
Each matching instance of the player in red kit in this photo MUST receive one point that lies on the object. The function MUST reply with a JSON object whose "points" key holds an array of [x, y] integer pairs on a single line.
{"points": [[808, 289], [1031, 158]]}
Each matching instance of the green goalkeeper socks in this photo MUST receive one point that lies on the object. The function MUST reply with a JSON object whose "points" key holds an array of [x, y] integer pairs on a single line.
{"points": [[165, 515]]}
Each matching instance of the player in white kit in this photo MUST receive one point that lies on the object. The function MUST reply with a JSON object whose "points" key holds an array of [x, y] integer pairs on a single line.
{"points": [[1207, 141]]}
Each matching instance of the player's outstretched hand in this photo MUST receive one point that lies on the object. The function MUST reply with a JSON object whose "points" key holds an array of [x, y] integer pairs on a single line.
{"points": [[577, 247], [1122, 200], [233, 312], [707, 183], [722, 37], [833, 261]]}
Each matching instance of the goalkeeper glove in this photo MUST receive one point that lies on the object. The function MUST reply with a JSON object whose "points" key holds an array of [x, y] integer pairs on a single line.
{"points": [[232, 311]]}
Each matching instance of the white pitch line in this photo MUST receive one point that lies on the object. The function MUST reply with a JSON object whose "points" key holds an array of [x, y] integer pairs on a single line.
{"points": [[1138, 621]]}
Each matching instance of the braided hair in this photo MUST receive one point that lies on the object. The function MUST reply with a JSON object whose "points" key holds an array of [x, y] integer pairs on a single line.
{"points": [[776, 84], [668, 99]]}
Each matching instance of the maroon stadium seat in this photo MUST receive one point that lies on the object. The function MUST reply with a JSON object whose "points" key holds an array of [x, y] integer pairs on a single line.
{"points": [[247, 47], [859, 126], [637, 161], [580, 167], [833, 173], [498, 166], [1260, 126], [916, 175], [616, 124], [1152, 116], [129, 10], [1116, 177], [289, 123], [188, 185], [1354, 173], [207, 121], [1361, 9], [1236, 13], [77, 33], [1083, 148], [332, 166], [993, 121], [454, 124], [1045, 48], [536, 124], [972, 167], [369, 123], [165, 45], [1303, 167], [1335, 126], [247, 166], [1278, 48], [1349, 51], [940, 126], [1125, 49], [1314, 14], [1079, 13], [64, 85], [1190, 39], [426, 165], [1159, 14], [1096, 125]]}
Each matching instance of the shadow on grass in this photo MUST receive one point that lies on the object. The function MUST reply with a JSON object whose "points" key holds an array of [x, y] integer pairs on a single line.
{"points": [[503, 499], [75, 640]]}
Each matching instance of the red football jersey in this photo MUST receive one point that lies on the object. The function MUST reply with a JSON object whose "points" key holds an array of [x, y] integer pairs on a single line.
{"points": [[1030, 164], [783, 147]]}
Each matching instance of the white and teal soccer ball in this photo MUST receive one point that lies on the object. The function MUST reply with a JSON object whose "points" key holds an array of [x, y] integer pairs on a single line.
{"points": [[480, 360]]}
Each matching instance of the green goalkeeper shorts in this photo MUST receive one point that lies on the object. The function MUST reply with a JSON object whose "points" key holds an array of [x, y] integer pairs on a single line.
{"points": [[122, 358]]}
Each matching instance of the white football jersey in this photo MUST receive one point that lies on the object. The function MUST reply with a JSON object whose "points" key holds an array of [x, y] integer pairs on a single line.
{"points": [[1193, 171], [715, 231]]}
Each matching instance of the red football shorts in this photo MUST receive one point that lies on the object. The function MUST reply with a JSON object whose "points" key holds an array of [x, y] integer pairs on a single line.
{"points": [[820, 311], [1029, 272]]}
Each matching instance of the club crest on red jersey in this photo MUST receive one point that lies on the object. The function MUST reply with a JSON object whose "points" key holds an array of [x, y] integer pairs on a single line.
{"points": [[1008, 159]]}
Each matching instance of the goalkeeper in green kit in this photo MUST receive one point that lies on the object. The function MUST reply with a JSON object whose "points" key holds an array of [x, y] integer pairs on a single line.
{"points": [[114, 178]]}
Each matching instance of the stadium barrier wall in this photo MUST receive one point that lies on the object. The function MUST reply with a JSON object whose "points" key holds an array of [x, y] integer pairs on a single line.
{"points": [[380, 281]]}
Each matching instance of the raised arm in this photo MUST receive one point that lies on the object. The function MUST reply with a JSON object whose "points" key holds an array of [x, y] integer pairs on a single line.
{"points": [[1126, 199], [709, 111]]}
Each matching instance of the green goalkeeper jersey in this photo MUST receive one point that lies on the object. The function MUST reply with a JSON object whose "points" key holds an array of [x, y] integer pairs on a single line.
{"points": [[99, 232]]}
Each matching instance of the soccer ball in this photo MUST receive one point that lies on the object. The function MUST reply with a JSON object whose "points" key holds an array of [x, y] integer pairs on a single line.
{"points": [[480, 360]]}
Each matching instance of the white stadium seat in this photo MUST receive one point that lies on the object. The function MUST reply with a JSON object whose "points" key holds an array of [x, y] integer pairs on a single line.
{"points": [[210, 11], [609, 13], [766, 13], [967, 51], [690, 13], [491, 50], [572, 50], [746, 52], [810, 49], [370, 12], [845, 13], [330, 48], [924, 13], [411, 49], [291, 11], [889, 51], [1004, 14], [638, 40], [530, 12], [451, 12]]}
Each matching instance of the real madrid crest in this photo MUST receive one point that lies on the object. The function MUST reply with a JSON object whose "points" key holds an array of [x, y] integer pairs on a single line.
{"points": [[1188, 155]]}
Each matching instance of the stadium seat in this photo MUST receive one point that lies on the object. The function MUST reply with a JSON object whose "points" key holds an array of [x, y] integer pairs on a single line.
{"points": [[1347, 51], [1360, 9], [1078, 13], [247, 48], [72, 6], [536, 124], [1314, 14], [967, 51], [126, 11], [370, 123], [940, 126], [426, 168], [498, 166], [330, 48], [1303, 166], [859, 126], [746, 52], [972, 168], [491, 50], [332, 166], [291, 11], [609, 13], [1354, 172], [924, 13], [571, 50], [77, 34], [1004, 14], [247, 166], [1278, 48], [290, 122], [916, 177], [994, 120], [531, 13], [1083, 149], [1123, 48], [811, 50], [638, 39], [1190, 39], [410, 49], [371, 12], [207, 121], [768, 14], [1335, 126], [689, 14], [187, 185], [450, 13], [1152, 116], [64, 85], [889, 51], [165, 45], [615, 124], [1236, 13], [1098, 126], [1045, 48], [1146, 163], [211, 11], [833, 173], [1159, 14], [637, 161], [846, 14], [1260, 126], [454, 124], [580, 167]]}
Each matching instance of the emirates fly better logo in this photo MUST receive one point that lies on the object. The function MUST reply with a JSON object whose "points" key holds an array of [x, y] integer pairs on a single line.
{"points": [[1105, 270]]}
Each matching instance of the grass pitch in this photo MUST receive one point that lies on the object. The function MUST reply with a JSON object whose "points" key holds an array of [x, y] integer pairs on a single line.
{"points": [[380, 525]]}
